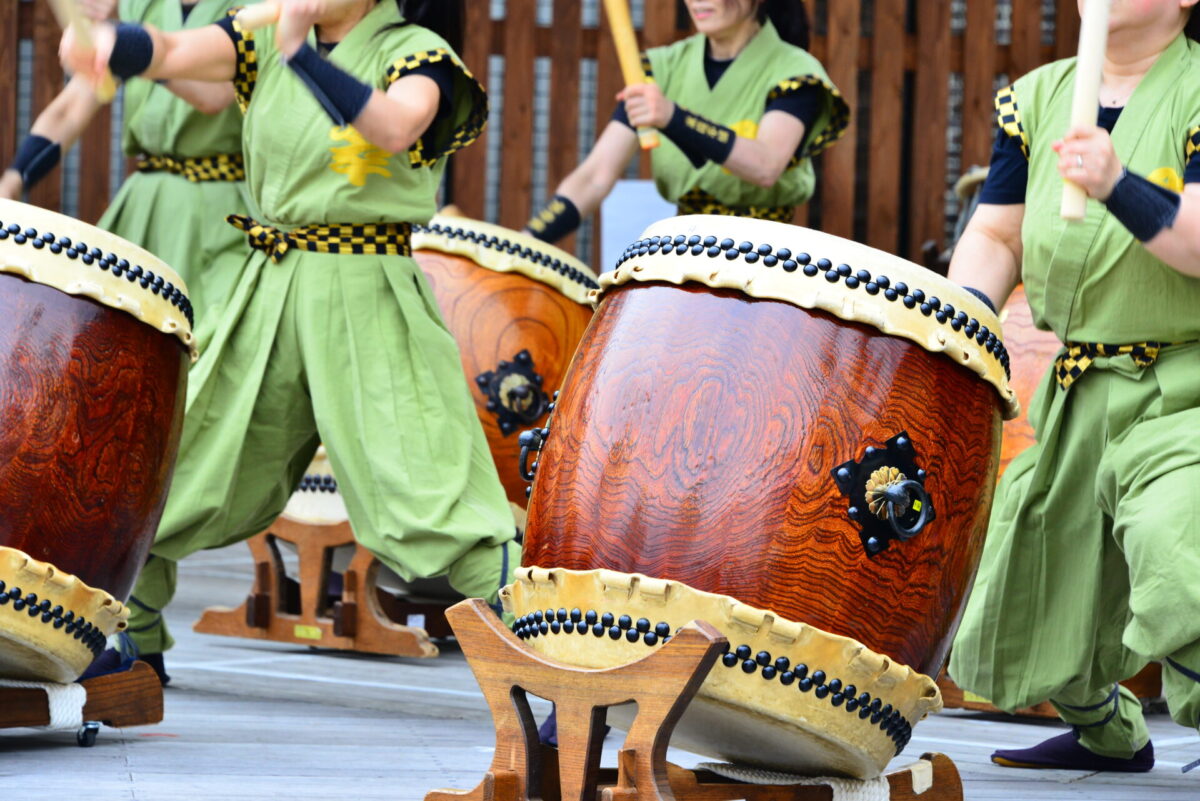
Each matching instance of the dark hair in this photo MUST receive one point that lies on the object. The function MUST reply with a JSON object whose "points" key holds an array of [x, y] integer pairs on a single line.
{"points": [[790, 19], [1192, 28], [443, 17]]}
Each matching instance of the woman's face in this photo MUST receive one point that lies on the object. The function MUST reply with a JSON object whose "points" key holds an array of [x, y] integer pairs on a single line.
{"points": [[717, 16]]}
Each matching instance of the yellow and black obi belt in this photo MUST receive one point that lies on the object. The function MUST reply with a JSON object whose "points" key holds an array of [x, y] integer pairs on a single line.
{"points": [[384, 239], [697, 201], [224, 167]]}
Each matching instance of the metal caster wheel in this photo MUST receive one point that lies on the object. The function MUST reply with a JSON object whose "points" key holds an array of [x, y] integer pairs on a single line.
{"points": [[86, 736]]}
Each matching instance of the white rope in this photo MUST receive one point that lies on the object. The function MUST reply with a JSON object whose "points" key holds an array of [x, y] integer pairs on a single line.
{"points": [[876, 789], [65, 701]]}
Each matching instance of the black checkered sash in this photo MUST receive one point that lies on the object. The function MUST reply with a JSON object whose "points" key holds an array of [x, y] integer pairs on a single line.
{"points": [[1078, 357], [223, 167], [697, 201], [381, 239]]}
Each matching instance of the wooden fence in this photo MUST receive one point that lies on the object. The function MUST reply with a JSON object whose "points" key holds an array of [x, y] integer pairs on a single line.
{"points": [[900, 64]]}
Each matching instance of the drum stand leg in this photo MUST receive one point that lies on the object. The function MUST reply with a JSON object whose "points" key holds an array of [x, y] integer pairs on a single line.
{"points": [[130, 698], [662, 684], [356, 622]]}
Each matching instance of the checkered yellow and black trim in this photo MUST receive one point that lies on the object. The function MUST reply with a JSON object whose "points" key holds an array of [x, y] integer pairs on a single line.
{"points": [[246, 74], [1193, 145], [697, 201], [1079, 356], [1008, 117], [390, 239], [647, 67], [839, 119], [425, 153], [225, 167]]}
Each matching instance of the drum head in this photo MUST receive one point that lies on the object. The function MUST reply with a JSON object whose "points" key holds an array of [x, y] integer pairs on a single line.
{"points": [[785, 696]]}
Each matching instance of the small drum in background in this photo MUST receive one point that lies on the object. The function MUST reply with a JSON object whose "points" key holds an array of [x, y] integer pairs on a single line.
{"points": [[95, 342], [796, 438], [1032, 350], [517, 308]]}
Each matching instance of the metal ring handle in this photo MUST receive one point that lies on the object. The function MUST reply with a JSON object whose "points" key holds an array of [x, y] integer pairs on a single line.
{"points": [[899, 496]]}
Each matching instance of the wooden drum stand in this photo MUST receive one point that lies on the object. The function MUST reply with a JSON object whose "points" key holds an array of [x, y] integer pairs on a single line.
{"points": [[130, 698], [365, 618], [662, 684]]}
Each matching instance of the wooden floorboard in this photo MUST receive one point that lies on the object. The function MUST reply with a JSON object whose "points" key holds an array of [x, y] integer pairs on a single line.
{"points": [[248, 721]]}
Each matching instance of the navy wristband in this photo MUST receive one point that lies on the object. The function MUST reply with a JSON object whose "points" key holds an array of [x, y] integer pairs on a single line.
{"points": [[1142, 206], [132, 52], [36, 157], [557, 219], [341, 95], [986, 300], [700, 140]]}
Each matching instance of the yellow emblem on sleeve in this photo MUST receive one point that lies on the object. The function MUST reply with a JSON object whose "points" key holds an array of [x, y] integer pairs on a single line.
{"points": [[1167, 178], [357, 158]]}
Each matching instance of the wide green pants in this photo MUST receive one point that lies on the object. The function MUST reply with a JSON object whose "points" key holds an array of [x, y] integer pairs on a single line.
{"points": [[349, 350], [183, 223], [1093, 552]]}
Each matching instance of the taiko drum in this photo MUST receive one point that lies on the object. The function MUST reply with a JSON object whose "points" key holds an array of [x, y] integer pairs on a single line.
{"points": [[517, 308], [95, 342], [802, 423]]}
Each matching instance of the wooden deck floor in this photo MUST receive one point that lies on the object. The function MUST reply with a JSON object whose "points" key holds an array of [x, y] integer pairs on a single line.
{"points": [[249, 721]]}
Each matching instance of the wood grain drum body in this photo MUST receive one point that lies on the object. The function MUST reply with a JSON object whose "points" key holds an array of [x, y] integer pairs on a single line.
{"points": [[95, 340], [805, 426], [1032, 352], [517, 308]]}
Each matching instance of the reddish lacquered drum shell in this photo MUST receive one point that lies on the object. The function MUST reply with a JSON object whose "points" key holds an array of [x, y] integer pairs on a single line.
{"points": [[91, 408], [1032, 351], [694, 440], [495, 315]]}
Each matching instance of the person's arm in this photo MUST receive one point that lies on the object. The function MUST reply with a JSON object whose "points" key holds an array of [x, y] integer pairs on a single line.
{"points": [[587, 185], [987, 257], [1166, 222], [56, 129], [760, 161], [202, 54], [204, 96]]}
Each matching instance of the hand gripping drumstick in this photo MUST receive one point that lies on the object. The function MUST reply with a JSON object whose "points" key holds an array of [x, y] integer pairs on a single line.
{"points": [[630, 57], [69, 16], [1093, 40]]}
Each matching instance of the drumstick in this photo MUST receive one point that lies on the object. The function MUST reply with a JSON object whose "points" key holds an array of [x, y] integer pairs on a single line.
{"points": [[1093, 40], [69, 16], [260, 15], [630, 57]]}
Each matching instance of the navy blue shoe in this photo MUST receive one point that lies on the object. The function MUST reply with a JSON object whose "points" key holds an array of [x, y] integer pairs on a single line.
{"points": [[1065, 753], [110, 661]]}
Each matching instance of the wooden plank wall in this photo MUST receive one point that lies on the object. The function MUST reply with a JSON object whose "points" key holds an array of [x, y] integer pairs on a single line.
{"points": [[885, 183]]}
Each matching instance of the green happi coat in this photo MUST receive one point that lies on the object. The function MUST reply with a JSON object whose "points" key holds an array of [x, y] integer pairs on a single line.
{"points": [[1091, 560], [767, 68], [179, 220], [349, 349]]}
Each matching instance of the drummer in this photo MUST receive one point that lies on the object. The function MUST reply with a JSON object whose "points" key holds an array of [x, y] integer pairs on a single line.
{"points": [[186, 137], [1090, 566], [742, 107], [333, 333]]}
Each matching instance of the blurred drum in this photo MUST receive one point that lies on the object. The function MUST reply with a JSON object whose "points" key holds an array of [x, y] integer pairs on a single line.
{"points": [[517, 308], [794, 437], [95, 341]]}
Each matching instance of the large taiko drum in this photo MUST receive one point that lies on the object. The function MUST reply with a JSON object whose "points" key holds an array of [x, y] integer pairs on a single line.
{"points": [[95, 340], [794, 437], [517, 308]]}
